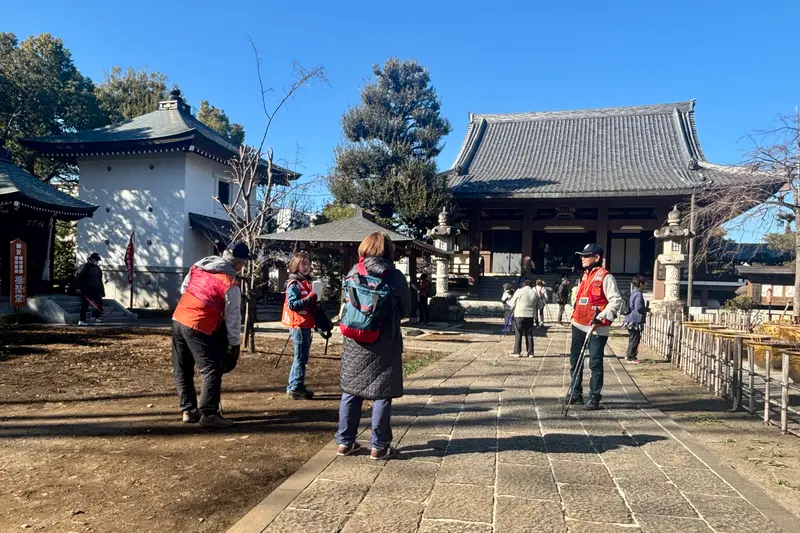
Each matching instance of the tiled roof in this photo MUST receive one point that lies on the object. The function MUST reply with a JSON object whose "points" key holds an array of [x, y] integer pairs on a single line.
{"points": [[170, 127], [626, 151], [349, 231], [18, 185]]}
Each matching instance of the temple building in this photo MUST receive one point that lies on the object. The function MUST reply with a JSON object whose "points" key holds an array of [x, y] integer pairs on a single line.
{"points": [[544, 184], [156, 175], [28, 211]]}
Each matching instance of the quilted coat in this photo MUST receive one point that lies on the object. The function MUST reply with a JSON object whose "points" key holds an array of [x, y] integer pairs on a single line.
{"points": [[375, 371]]}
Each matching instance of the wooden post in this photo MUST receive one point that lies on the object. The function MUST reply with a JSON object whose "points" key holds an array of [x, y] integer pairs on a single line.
{"points": [[751, 401], [717, 365], [412, 279], [784, 393], [766, 385], [737, 374]]}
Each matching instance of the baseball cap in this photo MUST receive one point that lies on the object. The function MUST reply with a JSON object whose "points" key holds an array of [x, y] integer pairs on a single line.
{"points": [[591, 249], [240, 250], [95, 256]]}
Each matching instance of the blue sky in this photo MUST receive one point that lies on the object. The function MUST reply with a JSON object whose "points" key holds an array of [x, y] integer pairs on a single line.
{"points": [[736, 57]]}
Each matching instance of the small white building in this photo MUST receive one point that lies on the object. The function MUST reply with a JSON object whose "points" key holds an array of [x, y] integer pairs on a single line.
{"points": [[156, 175]]}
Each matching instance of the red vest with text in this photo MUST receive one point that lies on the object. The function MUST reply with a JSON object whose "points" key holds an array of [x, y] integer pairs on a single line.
{"points": [[590, 297], [303, 318], [202, 305]]}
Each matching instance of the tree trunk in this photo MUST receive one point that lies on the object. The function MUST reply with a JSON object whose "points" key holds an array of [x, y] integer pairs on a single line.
{"points": [[796, 299]]}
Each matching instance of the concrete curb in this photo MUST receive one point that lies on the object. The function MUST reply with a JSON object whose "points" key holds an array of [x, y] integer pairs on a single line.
{"points": [[775, 512]]}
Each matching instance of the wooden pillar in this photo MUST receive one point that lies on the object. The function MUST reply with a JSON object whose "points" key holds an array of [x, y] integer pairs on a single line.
{"points": [[412, 279], [474, 243], [602, 231], [527, 231]]}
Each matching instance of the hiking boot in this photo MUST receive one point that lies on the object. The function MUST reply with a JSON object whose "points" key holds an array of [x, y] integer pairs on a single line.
{"points": [[299, 394], [191, 417], [593, 405], [348, 449], [215, 421], [382, 455], [576, 400]]}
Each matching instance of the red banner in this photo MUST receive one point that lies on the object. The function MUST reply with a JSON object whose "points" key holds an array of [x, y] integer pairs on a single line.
{"points": [[129, 259], [19, 273]]}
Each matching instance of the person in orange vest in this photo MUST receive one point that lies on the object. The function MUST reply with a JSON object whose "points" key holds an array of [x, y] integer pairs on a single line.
{"points": [[211, 294], [298, 314], [596, 305]]}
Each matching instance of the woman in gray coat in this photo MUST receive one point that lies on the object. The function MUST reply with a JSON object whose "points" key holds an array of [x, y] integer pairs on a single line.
{"points": [[374, 371]]}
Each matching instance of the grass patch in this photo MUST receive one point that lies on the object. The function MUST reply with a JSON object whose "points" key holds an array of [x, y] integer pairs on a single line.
{"points": [[418, 363]]}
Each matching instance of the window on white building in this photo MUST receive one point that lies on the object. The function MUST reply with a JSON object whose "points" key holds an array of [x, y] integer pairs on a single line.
{"points": [[224, 192]]}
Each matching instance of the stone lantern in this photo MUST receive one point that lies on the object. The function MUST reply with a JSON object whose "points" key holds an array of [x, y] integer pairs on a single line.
{"points": [[443, 306], [673, 259]]}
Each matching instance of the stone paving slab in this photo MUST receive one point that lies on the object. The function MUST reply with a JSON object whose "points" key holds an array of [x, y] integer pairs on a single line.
{"points": [[484, 448]]}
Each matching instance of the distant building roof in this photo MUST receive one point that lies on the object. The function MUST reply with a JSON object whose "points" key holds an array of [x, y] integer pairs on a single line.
{"points": [[170, 128], [351, 231], [626, 151], [16, 185]]}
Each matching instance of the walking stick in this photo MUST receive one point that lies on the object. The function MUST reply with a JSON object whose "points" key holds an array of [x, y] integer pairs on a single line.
{"points": [[282, 351], [577, 373]]}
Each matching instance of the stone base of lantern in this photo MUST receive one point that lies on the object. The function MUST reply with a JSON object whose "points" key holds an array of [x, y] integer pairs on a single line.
{"points": [[671, 308], [445, 309]]}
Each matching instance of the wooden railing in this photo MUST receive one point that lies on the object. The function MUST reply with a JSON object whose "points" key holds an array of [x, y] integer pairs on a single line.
{"points": [[723, 361]]}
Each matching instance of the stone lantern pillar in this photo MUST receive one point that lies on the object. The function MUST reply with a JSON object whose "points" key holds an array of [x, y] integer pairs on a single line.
{"points": [[673, 259], [443, 306], [443, 237]]}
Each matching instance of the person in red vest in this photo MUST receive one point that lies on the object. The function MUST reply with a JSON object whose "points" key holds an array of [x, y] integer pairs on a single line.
{"points": [[211, 294], [298, 314], [596, 305]]}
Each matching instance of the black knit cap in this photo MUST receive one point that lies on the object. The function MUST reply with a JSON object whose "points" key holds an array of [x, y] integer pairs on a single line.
{"points": [[240, 250]]}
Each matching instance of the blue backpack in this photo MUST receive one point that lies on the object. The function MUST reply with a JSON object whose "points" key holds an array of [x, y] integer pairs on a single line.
{"points": [[368, 305]]}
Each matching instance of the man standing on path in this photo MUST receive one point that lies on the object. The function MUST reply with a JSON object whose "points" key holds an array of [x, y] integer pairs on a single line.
{"points": [[634, 321], [562, 297], [89, 286], [211, 294], [596, 305], [524, 305]]}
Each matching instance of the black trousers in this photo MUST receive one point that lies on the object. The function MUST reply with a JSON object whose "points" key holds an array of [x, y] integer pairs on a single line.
{"points": [[634, 338], [524, 328], [95, 301], [422, 308], [597, 345], [189, 348], [561, 313]]}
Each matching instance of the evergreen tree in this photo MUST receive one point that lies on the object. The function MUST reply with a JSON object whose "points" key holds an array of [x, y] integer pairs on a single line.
{"points": [[393, 137], [129, 95], [217, 120]]}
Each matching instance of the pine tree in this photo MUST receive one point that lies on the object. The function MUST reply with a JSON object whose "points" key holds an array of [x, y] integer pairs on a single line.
{"points": [[393, 137]]}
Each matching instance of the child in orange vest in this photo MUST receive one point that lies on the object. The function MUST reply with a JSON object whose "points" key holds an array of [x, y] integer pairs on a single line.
{"points": [[298, 314]]}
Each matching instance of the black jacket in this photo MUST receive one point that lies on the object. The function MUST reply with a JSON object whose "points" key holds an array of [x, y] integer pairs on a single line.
{"points": [[89, 280], [375, 371]]}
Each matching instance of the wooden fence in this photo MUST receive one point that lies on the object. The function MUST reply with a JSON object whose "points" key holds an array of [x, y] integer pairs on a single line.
{"points": [[723, 361]]}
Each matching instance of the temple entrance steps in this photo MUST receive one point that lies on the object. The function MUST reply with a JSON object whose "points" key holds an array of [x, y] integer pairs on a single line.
{"points": [[65, 309]]}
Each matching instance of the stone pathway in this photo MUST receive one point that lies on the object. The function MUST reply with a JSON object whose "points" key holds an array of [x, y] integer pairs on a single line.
{"points": [[484, 449]]}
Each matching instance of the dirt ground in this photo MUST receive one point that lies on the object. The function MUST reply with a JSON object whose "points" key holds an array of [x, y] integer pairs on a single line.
{"points": [[91, 438], [758, 451]]}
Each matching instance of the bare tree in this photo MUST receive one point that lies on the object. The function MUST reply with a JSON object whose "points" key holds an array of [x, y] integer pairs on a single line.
{"points": [[260, 188], [762, 193]]}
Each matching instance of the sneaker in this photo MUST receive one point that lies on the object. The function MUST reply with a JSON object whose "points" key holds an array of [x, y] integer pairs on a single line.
{"points": [[191, 417], [515, 354], [83, 323], [99, 320], [382, 455], [215, 421], [530, 354], [634, 361], [299, 394], [593, 405], [576, 400], [348, 449]]}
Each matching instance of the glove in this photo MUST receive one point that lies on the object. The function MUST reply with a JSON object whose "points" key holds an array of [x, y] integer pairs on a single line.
{"points": [[310, 300], [230, 358]]}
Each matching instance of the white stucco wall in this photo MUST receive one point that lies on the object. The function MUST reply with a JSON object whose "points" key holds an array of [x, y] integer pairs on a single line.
{"points": [[201, 188], [132, 197]]}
